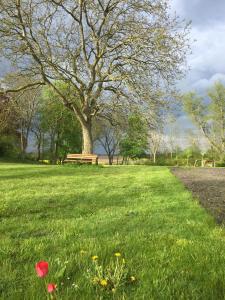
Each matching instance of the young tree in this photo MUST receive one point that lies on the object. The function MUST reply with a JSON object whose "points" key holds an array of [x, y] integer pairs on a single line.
{"points": [[108, 136], [209, 117], [134, 143], [155, 137], [96, 47], [59, 125]]}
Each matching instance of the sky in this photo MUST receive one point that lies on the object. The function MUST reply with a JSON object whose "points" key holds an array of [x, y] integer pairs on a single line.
{"points": [[207, 63]]}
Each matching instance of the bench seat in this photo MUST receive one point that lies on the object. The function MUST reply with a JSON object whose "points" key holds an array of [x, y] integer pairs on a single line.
{"points": [[82, 158]]}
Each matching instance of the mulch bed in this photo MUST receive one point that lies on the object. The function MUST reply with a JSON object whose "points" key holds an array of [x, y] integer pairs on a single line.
{"points": [[207, 185]]}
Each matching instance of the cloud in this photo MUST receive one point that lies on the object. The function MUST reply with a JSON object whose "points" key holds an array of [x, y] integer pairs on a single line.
{"points": [[208, 27], [203, 13], [203, 84]]}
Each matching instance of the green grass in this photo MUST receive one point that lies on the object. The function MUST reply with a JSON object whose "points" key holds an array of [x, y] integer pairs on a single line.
{"points": [[171, 245]]}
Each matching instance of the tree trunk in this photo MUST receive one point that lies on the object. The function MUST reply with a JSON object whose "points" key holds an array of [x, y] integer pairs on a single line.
{"points": [[87, 147], [154, 157], [110, 157]]}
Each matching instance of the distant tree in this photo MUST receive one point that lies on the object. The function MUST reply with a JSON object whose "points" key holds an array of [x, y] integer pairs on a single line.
{"points": [[59, 125], [134, 143], [24, 106], [209, 117], [155, 137], [108, 136]]}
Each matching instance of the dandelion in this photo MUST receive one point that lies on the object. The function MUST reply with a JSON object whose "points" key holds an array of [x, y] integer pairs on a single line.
{"points": [[51, 287], [117, 254], [94, 257], [132, 279], [41, 268], [103, 282]]}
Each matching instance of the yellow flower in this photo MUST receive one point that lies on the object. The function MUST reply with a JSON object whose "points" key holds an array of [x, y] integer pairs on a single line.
{"points": [[117, 254], [94, 257], [103, 282], [132, 278]]}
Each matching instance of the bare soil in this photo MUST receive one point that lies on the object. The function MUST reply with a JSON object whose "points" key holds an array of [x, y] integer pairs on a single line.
{"points": [[208, 186]]}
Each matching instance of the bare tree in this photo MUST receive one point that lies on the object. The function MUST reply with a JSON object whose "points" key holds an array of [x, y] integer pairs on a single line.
{"points": [[108, 136], [24, 105], [155, 140], [96, 47], [5, 112]]}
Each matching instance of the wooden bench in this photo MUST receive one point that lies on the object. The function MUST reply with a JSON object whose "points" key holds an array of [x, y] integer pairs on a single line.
{"points": [[82, 158], [205, 163]]}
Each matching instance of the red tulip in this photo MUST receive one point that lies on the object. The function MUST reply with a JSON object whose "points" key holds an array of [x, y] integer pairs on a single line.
{"points": [[51, 287], [41, 268]]}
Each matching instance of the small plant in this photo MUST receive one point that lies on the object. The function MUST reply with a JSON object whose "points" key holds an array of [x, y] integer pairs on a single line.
{"points": [[112, 277]]}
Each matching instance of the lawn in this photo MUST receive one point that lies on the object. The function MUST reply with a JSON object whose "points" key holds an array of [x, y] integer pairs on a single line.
{"points": [[67, 214]]}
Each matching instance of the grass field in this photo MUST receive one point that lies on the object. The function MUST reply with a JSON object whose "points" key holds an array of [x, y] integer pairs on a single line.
{"points": [[67, 214]]}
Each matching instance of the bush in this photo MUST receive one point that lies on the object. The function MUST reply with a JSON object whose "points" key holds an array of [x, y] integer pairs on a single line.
{"points": [[8, 147]]}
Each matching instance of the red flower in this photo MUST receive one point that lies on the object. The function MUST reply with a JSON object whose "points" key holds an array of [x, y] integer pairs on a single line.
{"points": [[41, 268], [51, 287]]}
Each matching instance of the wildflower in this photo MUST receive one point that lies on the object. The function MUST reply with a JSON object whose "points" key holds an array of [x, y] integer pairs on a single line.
{"points": [[103, 282], [51, 287], [94, 257], [41, 268], [132, 279], [117, 254]]}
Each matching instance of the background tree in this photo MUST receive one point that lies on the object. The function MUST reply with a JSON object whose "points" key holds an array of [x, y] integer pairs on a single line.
{"points": [[59, 126], [96, 47], [209, 116], [134, 143], [108, 136], [155, 137]]}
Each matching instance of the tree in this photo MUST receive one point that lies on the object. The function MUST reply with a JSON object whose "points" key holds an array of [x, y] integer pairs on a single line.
{"points": [[59, 125], [24, 106], [209, 116], [155, 137], [96, 47], [108, 136], [5, 112], [134, 143]]}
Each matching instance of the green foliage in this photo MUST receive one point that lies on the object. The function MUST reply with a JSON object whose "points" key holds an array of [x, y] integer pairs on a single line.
{"points": [[8, 146], [209, 116], [60, 124], [134, 144]]}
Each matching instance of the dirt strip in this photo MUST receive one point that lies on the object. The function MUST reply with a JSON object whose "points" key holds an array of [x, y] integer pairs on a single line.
{"points": [[208, 185]]}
